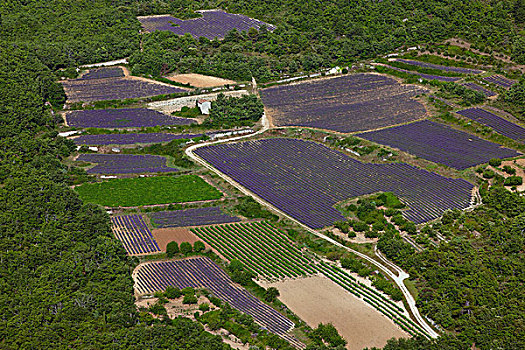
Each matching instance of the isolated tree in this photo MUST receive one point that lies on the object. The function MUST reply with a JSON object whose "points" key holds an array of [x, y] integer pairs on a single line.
{"points": [[198, 246], [185, 248], [271, 294], [171, 249]]}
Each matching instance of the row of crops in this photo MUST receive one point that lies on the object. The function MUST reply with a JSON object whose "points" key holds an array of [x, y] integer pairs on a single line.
{"points": [[134, 234], [125, 163], [191, 217], [305, 180], [212, 24], [130, 139], [348, 103], [269, 253], [498, 124]]}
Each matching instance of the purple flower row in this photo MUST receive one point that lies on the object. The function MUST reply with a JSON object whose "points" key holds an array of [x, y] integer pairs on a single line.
{"points": [[426, 76], [500, 80], [103, 73], [192, 217], [474, 86], [212, 24], [125, 164], [440, 144], [130, 139], [134, 234], [440, 67], [500, 125], [348, 103], [305, 180], [122, 118]]}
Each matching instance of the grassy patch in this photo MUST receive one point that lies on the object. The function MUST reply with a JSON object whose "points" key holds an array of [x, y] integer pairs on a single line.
{"points": [[148, 190], [411, 286]]}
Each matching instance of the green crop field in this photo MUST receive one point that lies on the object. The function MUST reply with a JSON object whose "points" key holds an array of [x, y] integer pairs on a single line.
{"points": [[148, 190]]}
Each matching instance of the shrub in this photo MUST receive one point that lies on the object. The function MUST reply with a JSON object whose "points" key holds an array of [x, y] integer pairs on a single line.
{"points": [[172, 292], [171, 249], [495, 162], [189, 299], [271, 294], [185, 248], [204, 307], [488, 174], [509, 170], [513, 181], [198, 246], [359, 226]]}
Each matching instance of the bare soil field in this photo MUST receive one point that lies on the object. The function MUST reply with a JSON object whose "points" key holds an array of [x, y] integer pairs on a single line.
{"points": [[317, 299], [165, 235], [199, 80]]}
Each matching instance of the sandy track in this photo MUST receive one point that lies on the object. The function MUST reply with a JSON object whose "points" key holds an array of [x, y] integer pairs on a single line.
{"points": [[317, 299]]}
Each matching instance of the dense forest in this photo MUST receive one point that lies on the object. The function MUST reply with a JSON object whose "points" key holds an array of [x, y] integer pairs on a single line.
{"points": [[66, 282]]}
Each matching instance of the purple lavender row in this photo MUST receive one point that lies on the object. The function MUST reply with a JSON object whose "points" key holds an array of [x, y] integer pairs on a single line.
{"points": [[134, 234], [500, 80], [426, 76], [212, 24], [103, 73], [349, 103], [130, 139], [440, 67], [89, 90], [305, 180], [440, 144], [203, 273], [122, 118], [192, 217], [500, 125], [476, 87], [125, 164]]}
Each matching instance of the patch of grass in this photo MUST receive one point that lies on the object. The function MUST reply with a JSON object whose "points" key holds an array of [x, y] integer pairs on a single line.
{"points": [[147, 191], [411, 286]]}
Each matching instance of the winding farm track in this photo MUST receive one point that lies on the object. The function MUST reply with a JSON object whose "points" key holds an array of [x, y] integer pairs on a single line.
{"points": [[386, 267]]}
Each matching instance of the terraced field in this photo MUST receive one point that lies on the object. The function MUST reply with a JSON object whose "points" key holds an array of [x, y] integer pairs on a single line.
{"points": [[130, 139], [498, 124], [349, 103]]}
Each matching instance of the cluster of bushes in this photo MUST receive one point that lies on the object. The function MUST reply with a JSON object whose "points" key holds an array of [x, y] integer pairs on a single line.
{"points": [[249, 208], [185, 248], [228, 112], [468, 96]]}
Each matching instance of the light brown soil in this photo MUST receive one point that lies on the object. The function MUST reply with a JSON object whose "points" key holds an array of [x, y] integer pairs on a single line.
{"points": [[317, 299], [175, 234], [199, 80]]}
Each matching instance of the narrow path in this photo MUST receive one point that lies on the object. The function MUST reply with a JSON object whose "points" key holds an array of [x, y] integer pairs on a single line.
{"points": [[398, 277]]}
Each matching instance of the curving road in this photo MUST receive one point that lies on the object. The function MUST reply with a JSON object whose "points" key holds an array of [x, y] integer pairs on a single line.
{"points": [[386, 267]]}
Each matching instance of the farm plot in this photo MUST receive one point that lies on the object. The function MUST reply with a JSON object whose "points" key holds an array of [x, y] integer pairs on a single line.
{"points": [[131, 192], [199, 80], [202, 272], [130, 139], [103, 73], [440, 144], [89, 90], [305, 180], [122, 118], [425, 76], [500, 125], [191, 217], [134, 234], [476, 87], [269, 253], [212, 24], [440, 67], [500, 80], [355, 102], [125, 164]]}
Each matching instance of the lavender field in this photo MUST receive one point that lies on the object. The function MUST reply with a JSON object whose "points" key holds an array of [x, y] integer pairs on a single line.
{"points": [[425, 76], [130, 139], [349, 103], [134, 234], [202, 272], [440, 67], [89, 90], [213, 24], [440, 144], [474, 86], [125, 164], [498, 124], [122, 118], [191, 217], [305, 180], [500, 80], [103, 73]]}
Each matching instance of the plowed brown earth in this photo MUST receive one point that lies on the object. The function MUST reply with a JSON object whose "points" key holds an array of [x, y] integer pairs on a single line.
{"points": [[199, 80]]}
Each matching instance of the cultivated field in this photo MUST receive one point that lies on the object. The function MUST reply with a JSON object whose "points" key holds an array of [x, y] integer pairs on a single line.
{"points": [[130, 139], [131, 192], [270, 254], [191, 217], [103, 73], [165, 235], [134, 234], [125, 164], [199, 80], [317, 299], [212, 24], [349, 103], [305, 180], [203, 273], [500, 81], [440, 144], [498, 124], [439, 67], [122, 118], [424, 75], [89, 90]]}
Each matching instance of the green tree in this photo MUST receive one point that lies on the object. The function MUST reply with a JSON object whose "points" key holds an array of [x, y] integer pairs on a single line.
{"points": [[172, 248], [271, 294], [186, 248], [198, 246]]}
